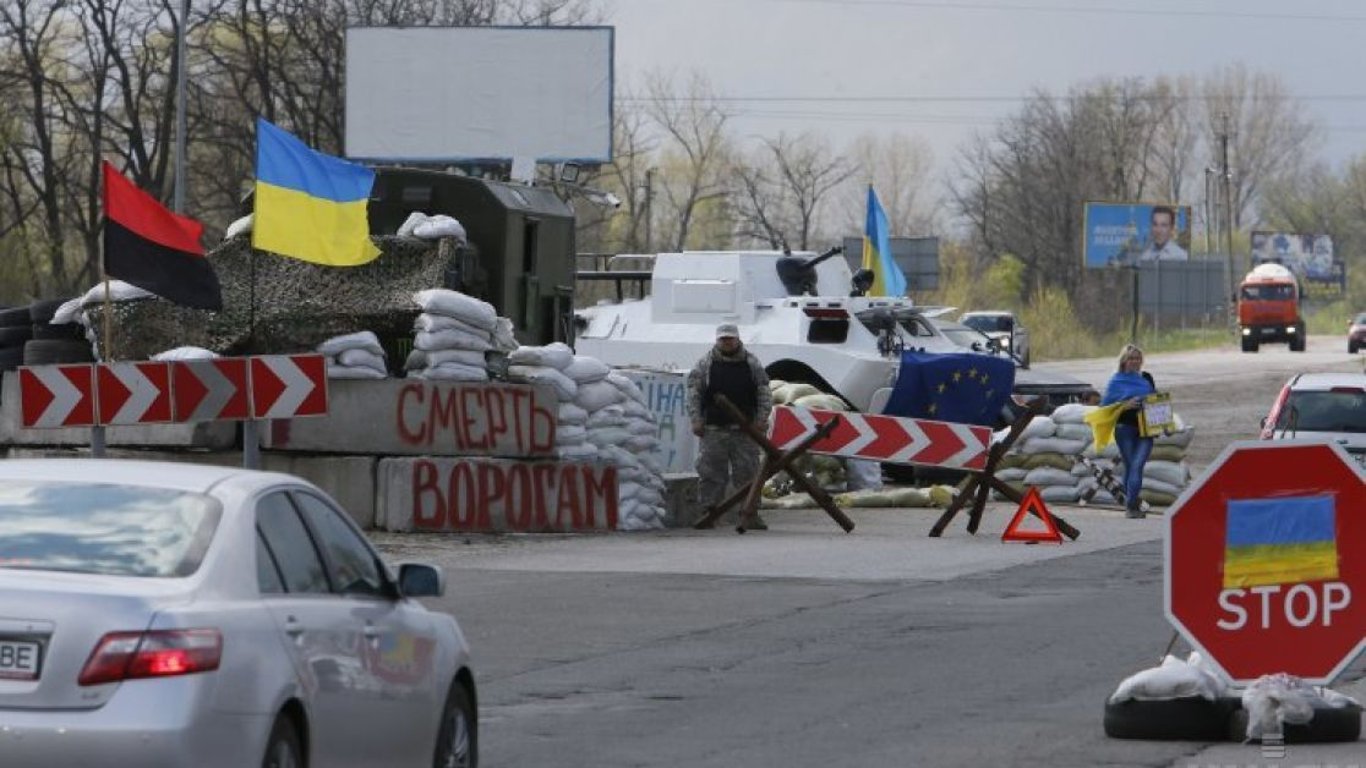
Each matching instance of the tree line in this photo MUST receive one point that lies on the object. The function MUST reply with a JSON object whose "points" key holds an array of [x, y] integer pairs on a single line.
{"points": [[86, 80]]}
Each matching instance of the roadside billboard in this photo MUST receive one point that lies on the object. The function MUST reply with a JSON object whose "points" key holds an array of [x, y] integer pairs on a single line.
{"points": [[1310, 256], [1124, 234]]}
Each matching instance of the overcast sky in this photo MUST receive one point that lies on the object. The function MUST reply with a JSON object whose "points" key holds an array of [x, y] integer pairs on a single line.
{"points": [[942, 69]]}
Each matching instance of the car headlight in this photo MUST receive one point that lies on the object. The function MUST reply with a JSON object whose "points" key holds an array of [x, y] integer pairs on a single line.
{"points": [[1290, 329]]}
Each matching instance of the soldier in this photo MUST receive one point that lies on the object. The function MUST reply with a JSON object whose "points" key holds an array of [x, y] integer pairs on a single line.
{"points": [[727, 454]]}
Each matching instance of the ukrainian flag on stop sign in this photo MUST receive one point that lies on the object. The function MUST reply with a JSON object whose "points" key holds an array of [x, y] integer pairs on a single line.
{"points": [[309, 205], [1280, 541]]}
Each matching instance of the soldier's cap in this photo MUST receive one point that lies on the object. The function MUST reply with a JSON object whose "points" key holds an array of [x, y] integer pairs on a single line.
{"points": [[727, 331]]}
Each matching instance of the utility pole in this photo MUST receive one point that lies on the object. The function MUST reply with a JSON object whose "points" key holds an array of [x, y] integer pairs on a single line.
{"points": [[180, 126], [1228, 216], [649, 207]]}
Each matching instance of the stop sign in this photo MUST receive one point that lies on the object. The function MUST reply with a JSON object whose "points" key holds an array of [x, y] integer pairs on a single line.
{"points": [[1266, 560]]}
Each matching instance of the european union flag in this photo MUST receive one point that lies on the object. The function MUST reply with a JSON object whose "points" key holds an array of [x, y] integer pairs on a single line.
{"points": [[963, 388]]}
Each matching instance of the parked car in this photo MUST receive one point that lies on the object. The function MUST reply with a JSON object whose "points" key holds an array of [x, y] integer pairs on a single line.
{"points": [[1356, 334], [157, 614], [1331, 406], [1004, 327]]}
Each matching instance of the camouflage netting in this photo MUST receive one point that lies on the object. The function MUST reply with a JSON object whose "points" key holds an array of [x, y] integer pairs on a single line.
{"points": [[297, 304]]}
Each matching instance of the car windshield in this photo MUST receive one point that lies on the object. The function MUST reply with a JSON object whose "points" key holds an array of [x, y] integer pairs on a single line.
{"points": [[988, 323], [1268, 292], [109, 529], [965, 337], [1324, 411]]}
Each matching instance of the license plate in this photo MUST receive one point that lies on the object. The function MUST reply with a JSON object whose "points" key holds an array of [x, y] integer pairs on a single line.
{"points": [[19, 660]]}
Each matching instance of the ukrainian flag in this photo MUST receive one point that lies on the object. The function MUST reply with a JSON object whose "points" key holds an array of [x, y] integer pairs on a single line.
{"points": [[1280, 541], [309, 205], [888, 279]]}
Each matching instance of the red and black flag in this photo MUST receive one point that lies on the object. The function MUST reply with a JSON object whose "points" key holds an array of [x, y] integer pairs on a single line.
{"points": [[154, 249]]}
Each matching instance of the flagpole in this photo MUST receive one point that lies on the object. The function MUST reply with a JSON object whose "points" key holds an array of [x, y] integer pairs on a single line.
{"points": [[180, 120]]}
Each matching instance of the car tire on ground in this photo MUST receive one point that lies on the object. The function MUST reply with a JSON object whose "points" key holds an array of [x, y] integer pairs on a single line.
{"points": [[1351, 347], [50, 351], [1249, 344], [1329, 724], [17, 316], [283, 749], [1297, 343], [15, 336], [1191, 718], [457, 743], [40, 312]]}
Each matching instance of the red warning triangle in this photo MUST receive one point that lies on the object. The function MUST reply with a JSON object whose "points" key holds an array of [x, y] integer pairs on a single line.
{"points": [[1032, 503]]}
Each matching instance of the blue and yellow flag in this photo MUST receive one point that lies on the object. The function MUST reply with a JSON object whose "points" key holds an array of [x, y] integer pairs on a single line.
{"points": [[1102, 422], [1280, 541], [310, 206], [963, 388], [888, 279]]}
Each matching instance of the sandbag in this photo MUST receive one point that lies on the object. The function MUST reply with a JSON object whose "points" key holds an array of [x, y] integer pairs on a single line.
{"points": [[641, 443], [421, 358], [1013, 459], [451, 338], [437, 227], [1158, 486], [1174, 679], [1012, 473], [886, 497], [451, 372], [1157, 498], [1074, 431], [642, 427], [1055, 460], [184, 353], [638, 411], [584, 369], [1039, 426], [335, 371], [1168, 472], [433, 323], [363, 358], [1071, 413], [626, 387], [570, 434], [504, 335], [1181, 438], [787, 393], [565, 388], [1065, 494], [441, 301], [582, 452], [820, 402], [609, 416], [1167, 453], [608, 436], [1059, 445], [550, 356], [1044, 476], [597, 395], [365, 340], [570, 413]]}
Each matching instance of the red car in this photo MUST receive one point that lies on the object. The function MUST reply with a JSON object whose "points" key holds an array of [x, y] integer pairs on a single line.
{"points": [[1356, 334]]}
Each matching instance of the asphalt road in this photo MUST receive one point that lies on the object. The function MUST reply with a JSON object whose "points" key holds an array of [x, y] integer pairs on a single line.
{"points": [[805, 646]]}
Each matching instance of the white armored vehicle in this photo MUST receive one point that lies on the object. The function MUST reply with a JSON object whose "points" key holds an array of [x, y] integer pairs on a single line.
{"points": [[794, 311]]}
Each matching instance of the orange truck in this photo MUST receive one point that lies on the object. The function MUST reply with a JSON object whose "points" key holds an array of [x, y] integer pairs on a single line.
{"points": [[1269, 308]]}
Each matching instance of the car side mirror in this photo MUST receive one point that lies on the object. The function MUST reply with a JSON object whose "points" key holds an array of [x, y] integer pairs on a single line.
{"points": [[421, 580]]}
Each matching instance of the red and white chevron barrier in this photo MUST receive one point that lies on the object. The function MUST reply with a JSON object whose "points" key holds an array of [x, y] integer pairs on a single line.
{"points": [[891, 439]]}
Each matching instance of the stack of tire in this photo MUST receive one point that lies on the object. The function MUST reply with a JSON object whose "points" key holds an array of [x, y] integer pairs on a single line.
{"points": [[27, 338]]}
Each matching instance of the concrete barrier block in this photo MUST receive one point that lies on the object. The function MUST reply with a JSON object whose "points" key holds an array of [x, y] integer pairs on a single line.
{"points": [[448, 494], [680, 500]]}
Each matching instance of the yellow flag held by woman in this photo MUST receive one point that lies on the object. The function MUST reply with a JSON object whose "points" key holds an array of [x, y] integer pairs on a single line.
{"points": [[1102, 421], [310, 206]]}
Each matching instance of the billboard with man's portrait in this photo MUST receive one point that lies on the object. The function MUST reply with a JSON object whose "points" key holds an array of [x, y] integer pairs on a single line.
{"points": [[1311, 257], [1126, 234]]}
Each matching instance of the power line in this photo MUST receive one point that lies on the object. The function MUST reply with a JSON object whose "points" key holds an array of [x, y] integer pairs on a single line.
{"points": [[1337, 97], [1086, 9]]}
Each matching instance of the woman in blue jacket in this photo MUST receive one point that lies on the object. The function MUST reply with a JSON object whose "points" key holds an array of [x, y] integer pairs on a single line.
{"points": [[1130, 384]]}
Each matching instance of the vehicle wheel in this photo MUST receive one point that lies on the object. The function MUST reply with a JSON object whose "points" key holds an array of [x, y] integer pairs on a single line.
{"points": [[1191, 718], [1249, 344], [1329, 724], [50, 351], [283, 749], [457, 743], [1297, 344], [1351, 347]]}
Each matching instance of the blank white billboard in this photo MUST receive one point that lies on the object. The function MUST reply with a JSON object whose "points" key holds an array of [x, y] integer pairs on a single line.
{"points": [[441, 94]]}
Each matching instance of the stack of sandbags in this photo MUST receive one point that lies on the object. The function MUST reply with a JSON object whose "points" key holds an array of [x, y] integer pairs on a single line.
{"points": [[74, 310], [1044, 454], [601, 417], [354, 356], [829, 472], [451, 336]]}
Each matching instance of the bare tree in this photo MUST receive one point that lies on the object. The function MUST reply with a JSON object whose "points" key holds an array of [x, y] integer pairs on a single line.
{"points": [[899, 167], [696, 151], [1268, 133], [807, 170]]}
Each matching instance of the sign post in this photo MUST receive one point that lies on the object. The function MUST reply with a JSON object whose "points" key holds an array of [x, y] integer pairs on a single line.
{"points": [[1266, 561]]}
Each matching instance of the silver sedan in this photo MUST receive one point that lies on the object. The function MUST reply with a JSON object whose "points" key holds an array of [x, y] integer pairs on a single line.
{"points": [[179, 615]]}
